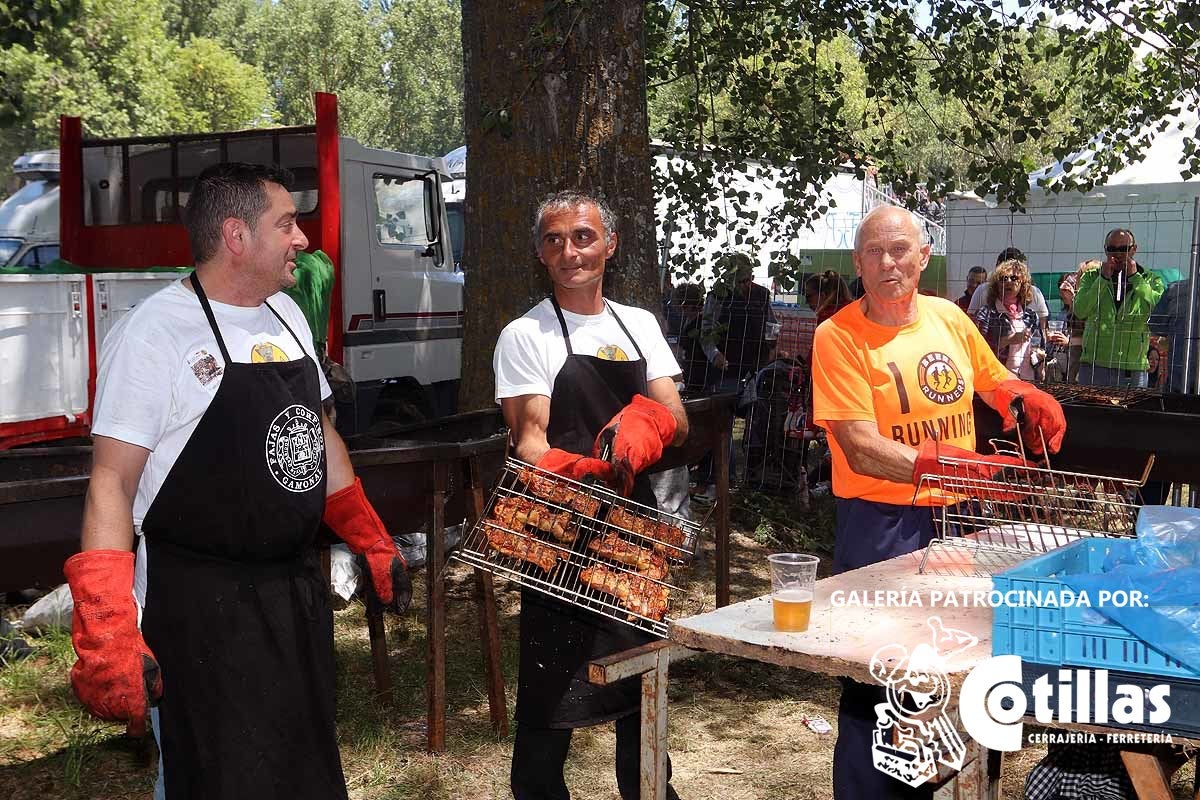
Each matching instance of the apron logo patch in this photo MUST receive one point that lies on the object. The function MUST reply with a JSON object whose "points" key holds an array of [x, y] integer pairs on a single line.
{"points": [[204, 367], [265, 353], [295, 446], [940, 379], [611, 352]]}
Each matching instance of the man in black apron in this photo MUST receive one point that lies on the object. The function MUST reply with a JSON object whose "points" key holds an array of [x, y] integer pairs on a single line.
{"points": [[557, 397], [888, 371], [238, 647]]}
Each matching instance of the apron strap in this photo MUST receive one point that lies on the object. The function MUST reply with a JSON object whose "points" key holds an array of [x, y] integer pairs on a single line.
{"points": [[212, 321], [563, 323], [625, 330], [289, 328], [567, 337]]}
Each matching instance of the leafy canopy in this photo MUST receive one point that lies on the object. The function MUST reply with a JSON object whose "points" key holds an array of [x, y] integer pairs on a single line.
{"points": [[940, 95]]}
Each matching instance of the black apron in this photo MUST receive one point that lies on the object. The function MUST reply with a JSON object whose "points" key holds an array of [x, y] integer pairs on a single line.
{"points": [[558, 639], [237, 611]]}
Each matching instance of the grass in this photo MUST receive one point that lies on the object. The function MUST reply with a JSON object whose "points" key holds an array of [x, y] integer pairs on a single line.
{"points": [[735, 726]]}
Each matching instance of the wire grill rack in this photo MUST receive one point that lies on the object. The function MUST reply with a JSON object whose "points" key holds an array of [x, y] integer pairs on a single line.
{"points": [[1098, 395], [579, 530], [989, 525]]}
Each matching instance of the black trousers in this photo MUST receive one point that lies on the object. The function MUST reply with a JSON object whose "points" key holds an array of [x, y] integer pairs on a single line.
{"points": [[854, 774], [540, 753]]}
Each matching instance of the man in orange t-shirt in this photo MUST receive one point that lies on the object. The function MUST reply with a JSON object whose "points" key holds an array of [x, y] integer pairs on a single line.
{"points": [[894, 375]]}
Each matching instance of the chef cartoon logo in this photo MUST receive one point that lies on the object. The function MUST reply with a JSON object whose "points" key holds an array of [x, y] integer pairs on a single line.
{"points": [[940, 379], [266, 352], [913, 733], [611, 352], [296, 449]]}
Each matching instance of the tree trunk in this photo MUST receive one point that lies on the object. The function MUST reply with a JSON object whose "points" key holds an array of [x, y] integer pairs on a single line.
{"points": [[576, 119]]}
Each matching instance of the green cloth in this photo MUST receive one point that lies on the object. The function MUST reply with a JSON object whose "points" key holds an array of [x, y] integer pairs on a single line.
{"points": [[312, 292], [1112, 337]]}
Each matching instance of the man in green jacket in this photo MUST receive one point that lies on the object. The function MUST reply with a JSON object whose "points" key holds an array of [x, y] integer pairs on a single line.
{"points": [[1115, 302]]}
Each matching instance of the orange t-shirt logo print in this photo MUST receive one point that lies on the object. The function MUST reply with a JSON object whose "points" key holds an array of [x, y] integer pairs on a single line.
{"points": [[940, 379]]}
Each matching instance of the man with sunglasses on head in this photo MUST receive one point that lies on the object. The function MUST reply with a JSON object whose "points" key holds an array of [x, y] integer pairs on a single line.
{"points": [[1115, 303]]}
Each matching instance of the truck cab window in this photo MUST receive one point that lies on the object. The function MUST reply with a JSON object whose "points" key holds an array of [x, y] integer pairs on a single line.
{"points": [[454, 213], [39, 256], [7, 248], [400, 216]]}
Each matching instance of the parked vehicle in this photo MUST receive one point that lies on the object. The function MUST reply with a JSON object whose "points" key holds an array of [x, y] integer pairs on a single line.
{"points": [[396, 308], [29, 217]]}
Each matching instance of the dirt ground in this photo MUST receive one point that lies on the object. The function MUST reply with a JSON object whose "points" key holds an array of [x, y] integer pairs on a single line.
{"points": [[735, 726]]}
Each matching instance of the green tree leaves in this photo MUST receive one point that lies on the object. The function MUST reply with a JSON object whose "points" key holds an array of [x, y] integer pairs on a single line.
{"points": [[161, 66], [218, 91], [975, 94]]}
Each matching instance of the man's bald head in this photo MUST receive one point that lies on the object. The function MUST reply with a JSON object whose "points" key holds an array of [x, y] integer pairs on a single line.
{"points": [[890, 253], [888, 215]]}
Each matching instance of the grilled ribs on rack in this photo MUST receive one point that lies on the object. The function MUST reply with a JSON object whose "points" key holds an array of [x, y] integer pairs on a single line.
{"points": [[525, 548], [661, 532], [643, 559], [639, 595], [516, 512], [561, 494]]}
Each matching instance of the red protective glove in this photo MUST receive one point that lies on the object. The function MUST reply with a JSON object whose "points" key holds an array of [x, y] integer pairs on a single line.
{"points": [[349, 515], [1041, 411], [116, 677], [575, 467], [968, 465], [639, 432]]}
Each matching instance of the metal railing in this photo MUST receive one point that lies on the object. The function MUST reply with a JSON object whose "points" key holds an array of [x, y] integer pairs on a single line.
{"points": [[874, 197]]}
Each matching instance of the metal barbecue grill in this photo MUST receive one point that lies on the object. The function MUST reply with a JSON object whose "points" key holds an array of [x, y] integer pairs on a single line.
{"points": [[644, 533], [1098, 395], [991, 525]]}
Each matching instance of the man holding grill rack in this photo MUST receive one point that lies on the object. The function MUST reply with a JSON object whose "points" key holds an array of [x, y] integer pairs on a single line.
{"points": [[574, 367], [894, 375]]}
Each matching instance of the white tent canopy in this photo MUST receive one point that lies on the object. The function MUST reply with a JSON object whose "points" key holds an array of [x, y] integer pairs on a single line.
{"points": [[1161, 165]]}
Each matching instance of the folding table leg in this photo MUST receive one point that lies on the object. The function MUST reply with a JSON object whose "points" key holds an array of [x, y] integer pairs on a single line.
{"points": [[654, 729], [1146, 773]]}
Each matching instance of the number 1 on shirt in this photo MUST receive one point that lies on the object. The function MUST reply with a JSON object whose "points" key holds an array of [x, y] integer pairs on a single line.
{"points": [[901, 392]]}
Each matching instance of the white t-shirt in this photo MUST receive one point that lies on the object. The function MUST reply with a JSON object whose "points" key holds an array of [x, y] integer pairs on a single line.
{"points": [[160, 367], [1019, 360], [531, 350], [1037, 305]]}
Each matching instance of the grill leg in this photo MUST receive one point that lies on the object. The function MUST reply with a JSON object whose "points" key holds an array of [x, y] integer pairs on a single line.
{"points": [[435, 622], [377, 633], [485, 599], [489, 636], [721, 465]]}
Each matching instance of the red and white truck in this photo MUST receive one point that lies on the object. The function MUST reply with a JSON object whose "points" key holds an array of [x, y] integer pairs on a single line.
{"points": [[396, 307]]}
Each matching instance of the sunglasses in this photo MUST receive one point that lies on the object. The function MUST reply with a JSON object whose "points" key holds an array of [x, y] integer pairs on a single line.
{"points": [[1118, 248]]}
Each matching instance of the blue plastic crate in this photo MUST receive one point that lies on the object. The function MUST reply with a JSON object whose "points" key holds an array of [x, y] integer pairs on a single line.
{"points": [[1067, 636]]}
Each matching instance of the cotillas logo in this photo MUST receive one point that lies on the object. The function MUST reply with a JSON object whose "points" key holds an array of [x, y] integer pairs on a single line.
{"points": [[914, 733], [993, 701], [940, 379]]}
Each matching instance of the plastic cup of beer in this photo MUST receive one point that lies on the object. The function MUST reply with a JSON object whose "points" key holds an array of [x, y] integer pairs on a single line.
{"points": [[793, 577]]}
